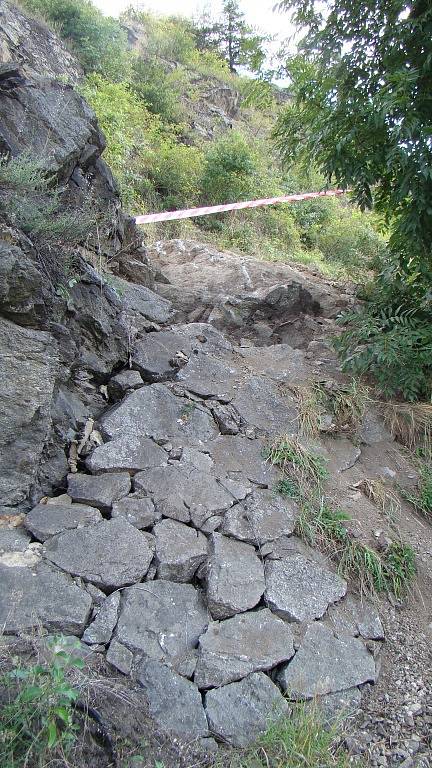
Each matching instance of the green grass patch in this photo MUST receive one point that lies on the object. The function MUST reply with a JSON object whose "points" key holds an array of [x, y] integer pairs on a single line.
{"points": [[288, 451], [300, 741]]}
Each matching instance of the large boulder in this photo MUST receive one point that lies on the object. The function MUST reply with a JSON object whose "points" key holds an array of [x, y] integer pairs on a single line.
{"points": [[162, 619], [29, 368], [46, 520], [180, 550], [155, 412], [174, 703]]}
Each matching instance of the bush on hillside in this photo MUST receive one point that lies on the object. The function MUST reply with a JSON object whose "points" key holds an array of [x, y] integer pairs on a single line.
{"points": [[99, 41]]}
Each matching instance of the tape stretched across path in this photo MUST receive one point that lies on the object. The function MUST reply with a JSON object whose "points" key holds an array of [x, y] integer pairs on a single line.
{"points": [[189, 213]]}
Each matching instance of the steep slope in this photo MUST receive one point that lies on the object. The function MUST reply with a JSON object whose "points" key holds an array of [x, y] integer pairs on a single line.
{"points": [[145, 507]]}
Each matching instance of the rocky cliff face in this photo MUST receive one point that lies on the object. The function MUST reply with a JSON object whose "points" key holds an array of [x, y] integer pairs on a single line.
{"points": [[56, 350]]}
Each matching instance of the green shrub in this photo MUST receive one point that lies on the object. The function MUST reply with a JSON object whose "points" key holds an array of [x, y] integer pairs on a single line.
{"points": [[99, 41], [159, 90], [32, 202], [230, 170], [36, 718], [394, 345]]}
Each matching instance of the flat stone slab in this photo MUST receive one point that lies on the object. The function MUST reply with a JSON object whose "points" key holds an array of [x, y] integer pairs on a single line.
{"points": [[263, 516], [99, 491], [239, 712], [138, 299], [123, 382], [152, 355], [326, 664], [13, 540], [179, 490], [163, 619], [110, 554], [31, 597], [138, 511], [120, 657], [129, 453], [299, 589], [242, 459], [47, 520], [180, 550], [101, 629], [261, 404], [235, 577], [210, 377], [153, 411], [174, 702], [250, 642]]}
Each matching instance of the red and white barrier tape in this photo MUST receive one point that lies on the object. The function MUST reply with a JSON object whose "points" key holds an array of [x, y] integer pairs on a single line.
{"points": [[188, 213]]}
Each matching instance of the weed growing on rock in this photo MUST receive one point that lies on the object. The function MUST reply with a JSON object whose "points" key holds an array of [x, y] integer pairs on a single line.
{"points": [[300, 741], [319, 524], [344, 403], [37, 717], [422, 498], [410, 424], [307, 466]]}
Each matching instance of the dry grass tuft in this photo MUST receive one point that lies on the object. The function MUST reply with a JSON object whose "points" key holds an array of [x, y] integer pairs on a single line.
{"points": [[409, 423]]}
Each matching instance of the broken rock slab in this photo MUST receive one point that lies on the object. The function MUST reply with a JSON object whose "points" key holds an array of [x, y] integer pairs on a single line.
{"points": [[101, 629], [180, 490], [326, 664], [120, 657], [180, 550], [138, 510], [235, 577], [242, 459], [123, 382], [262, 517], [210, 377], [261, 404], [41, 596], [110, 554], [299, 589], [99, 491], [154, 354], [239, 712], [355, 617], [232, 649], [174, 702], [128, 453], [153, 411], [47, 520], [163, 619]]}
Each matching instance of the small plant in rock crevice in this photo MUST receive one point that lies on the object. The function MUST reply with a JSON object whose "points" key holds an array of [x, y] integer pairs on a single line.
{"points": [[345, 403], [36, 719], [422, 498], [319, 524]]}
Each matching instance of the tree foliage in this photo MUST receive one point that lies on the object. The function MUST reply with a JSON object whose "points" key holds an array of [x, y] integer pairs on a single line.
{"points": [[238, 42], [362, 113]]}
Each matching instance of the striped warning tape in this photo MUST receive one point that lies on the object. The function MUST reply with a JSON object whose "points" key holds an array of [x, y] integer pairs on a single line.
{"points": [[188, 213]]}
